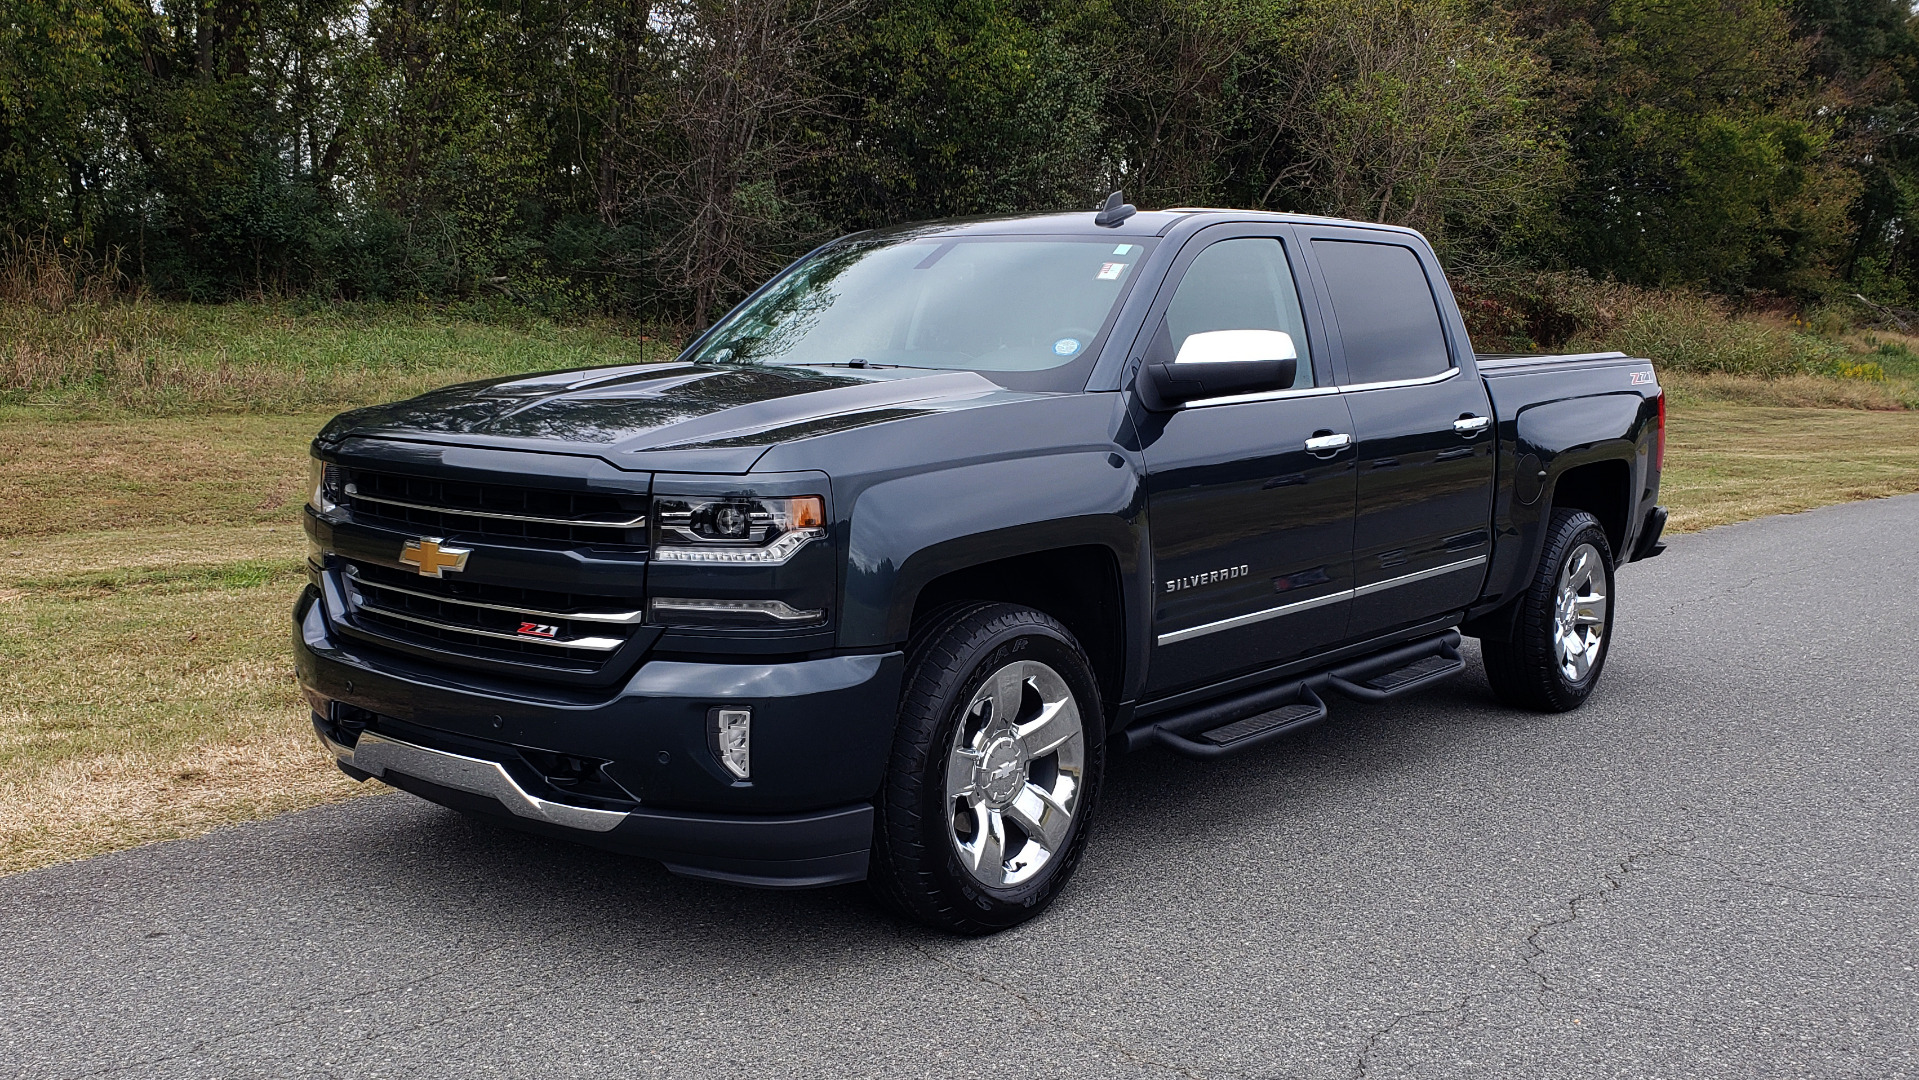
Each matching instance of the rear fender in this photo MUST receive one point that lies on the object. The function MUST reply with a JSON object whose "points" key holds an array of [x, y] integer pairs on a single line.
{"points": [[1543, 444]]}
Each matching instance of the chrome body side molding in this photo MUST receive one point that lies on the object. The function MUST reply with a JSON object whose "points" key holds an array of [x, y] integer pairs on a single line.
{"points": [[1318, 601], [1420, 575]]}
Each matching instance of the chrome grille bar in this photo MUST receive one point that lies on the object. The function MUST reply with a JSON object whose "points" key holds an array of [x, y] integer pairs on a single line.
{"points": [[618, 618], [591, 644]]}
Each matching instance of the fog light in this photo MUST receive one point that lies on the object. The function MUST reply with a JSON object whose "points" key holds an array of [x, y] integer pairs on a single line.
{"points": [[729, 732]]}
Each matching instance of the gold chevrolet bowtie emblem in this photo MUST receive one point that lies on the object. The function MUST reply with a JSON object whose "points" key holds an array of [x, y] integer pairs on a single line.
{"points": [[430, 559]]}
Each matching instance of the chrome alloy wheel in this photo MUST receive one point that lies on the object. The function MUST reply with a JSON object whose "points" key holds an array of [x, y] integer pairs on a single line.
{"points": [[1579, 612], [1015, 773]]}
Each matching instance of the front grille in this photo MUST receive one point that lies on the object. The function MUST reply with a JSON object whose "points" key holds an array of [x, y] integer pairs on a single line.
{"points": [[447, 508], [570, 631]]}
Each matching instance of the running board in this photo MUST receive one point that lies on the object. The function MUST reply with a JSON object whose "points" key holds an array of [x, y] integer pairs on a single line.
{"points": [[1222, 728], [1202, 734], [1401, 671]]}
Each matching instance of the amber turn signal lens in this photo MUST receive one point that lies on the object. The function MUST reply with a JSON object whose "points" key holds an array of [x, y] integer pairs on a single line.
{"points": [[808, 512]]}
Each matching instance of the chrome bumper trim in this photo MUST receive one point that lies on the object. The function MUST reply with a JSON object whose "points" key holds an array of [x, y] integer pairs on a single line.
{"points": [[376, 754]]}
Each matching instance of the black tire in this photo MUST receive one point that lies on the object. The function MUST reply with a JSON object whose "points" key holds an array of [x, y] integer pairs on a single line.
{"points": [[1527, 672], [917, 867]]}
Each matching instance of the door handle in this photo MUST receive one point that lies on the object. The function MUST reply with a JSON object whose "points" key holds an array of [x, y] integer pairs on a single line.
{"points": [[1328, 445], [1468, 426]]}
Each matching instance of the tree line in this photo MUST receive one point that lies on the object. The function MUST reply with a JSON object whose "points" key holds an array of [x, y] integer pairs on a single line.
{"points": [[659, 157]]}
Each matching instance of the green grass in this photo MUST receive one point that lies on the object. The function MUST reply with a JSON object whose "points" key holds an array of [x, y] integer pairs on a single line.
{"points": [[154, 358]]}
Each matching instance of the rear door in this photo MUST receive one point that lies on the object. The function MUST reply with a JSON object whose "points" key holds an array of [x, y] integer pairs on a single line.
{"points": [[1252, 532], [1424, 462]]}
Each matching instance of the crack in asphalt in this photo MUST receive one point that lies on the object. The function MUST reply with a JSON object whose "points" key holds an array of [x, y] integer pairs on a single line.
{"points": [[1612, 882], [1362, 1064], [1717, 594]]}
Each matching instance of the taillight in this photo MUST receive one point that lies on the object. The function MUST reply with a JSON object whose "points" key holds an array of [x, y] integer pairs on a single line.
{"points": [[1659, 441]]}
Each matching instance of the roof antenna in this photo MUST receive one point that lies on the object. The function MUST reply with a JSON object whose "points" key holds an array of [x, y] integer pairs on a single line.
{"points": [[1116, 210]]}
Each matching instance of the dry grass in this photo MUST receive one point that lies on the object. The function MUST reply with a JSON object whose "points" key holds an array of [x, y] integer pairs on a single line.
{"points": [[148, 690], [145, 705], [154, 358], [87, 475], [1728, 462], [1791, 391]]}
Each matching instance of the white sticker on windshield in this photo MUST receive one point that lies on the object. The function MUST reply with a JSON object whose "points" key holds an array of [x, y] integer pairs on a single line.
{"points": [[1066, 346], [1111, 271], [1122, 249]]}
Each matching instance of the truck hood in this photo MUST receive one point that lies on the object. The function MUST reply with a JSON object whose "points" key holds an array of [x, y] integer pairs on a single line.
{"points": [[675, 417]]}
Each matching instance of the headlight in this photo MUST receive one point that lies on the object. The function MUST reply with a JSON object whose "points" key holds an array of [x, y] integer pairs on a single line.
{"points": [[320, 477], [737, 528]]}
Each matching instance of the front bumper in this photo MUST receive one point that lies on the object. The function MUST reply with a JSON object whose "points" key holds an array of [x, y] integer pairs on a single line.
{"points": [[822, 731]]}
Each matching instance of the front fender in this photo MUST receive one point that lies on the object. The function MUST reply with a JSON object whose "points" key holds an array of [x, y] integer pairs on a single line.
{"points": [[910, 530]]}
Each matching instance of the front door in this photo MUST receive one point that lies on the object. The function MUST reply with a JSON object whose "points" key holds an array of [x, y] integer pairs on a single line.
{"points": [[1421, 540], [1251, 529]]}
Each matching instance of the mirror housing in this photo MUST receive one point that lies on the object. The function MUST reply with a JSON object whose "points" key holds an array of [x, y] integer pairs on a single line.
{"points": [[1218, 363]]}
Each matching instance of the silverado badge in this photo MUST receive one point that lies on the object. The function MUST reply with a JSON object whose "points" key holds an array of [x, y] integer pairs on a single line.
{"points": [[430, 559]]}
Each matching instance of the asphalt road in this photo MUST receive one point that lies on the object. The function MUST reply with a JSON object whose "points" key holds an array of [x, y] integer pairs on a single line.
{"points": [[1711, 870]]}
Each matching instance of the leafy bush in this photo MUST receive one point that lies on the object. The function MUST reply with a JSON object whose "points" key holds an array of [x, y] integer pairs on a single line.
{"points": [[1692, 333], [1680, 330]]}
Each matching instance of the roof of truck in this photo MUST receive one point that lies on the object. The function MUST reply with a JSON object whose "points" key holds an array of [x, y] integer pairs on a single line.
{"points": [[1144, 223]]}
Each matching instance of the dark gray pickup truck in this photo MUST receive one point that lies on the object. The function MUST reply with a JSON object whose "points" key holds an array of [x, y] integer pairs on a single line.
{"points": [[870, 581]]}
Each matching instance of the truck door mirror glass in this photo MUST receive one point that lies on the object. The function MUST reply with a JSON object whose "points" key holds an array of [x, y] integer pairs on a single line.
{"points": [[1236, 346]]}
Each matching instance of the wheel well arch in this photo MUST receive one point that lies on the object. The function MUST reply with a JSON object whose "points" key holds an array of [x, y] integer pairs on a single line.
{"points": [[1080, 586], [1602, 489]]}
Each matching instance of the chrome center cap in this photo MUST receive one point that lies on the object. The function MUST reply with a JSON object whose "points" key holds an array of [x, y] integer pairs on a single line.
{"points": [[1002, 771]]}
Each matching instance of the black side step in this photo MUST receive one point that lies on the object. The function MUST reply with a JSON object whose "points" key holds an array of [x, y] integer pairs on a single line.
{"points": [[1401, 671], [1203, 733], [1257, 717]]}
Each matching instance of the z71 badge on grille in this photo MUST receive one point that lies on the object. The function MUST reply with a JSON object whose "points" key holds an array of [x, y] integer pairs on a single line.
{"points": [[430, 559]]}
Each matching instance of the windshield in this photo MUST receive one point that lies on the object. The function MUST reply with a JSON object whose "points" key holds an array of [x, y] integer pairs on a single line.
{"points": [[1028, 312]]}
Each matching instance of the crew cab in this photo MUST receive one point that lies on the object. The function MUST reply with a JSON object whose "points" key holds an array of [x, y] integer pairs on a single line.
{"points": [[871, 580]]}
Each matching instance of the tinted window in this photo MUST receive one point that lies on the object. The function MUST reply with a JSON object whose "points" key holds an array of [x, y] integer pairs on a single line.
{"points": [[1241, 284], [1387, 318]]}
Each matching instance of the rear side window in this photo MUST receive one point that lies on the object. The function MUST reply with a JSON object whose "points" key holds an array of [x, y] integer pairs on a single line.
{"points": [[1387, 318], [1239, 284]]}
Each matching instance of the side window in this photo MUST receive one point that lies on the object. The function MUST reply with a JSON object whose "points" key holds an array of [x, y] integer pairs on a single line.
{"points": [[1241, 284], [1387, 318]]}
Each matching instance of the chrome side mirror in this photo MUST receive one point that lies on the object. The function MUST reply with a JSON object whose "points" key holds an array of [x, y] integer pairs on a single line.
{"points": [[1219, 363], [1236, 347]]}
